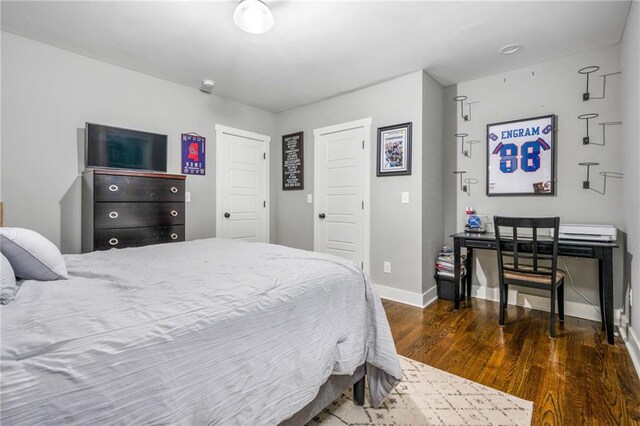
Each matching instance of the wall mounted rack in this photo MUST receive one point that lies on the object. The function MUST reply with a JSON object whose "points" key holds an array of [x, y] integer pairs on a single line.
{"points": [[471, 142], [587, 184], [590, 116], [469, 181], [461, 99], [586, 96]]}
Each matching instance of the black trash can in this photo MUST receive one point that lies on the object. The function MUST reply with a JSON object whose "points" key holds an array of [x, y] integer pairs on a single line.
{"points": [[445, 287]]}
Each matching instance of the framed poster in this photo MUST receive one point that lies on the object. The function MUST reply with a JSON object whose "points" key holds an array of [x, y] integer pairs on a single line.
{"points": [[521, 157], [293, 161], [193, 154], [394, 150]]}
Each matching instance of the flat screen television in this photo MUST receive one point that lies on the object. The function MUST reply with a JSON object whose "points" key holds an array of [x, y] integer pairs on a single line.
{"points": [[115, 148]]}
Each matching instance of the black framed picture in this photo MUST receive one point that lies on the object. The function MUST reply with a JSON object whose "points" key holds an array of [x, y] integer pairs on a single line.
{"points": [[521, 157], [293, 161], [394, 150]]}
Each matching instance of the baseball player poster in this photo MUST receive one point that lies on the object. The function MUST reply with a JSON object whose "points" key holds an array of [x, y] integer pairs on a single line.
{"points": [[193, 154], [521, 157]]}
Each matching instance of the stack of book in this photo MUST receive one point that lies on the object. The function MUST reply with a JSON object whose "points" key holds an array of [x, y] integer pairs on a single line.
{"points": [[444, 263]]}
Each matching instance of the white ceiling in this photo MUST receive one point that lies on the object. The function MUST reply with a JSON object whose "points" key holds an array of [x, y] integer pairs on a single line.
{"points": [[317, 49]]}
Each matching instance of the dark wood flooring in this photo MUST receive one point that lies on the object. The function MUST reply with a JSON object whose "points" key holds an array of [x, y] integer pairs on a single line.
{"points": [[576, 379]]}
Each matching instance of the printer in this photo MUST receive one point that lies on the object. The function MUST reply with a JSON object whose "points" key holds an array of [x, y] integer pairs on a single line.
{"points": [[575, 231]]}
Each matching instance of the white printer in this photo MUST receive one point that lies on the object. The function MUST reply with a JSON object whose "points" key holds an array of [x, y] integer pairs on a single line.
{"points": [[575, 231]]}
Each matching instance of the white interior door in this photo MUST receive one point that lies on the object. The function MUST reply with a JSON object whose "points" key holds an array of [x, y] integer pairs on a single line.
{"points": [[242, 185], [341, 187]]}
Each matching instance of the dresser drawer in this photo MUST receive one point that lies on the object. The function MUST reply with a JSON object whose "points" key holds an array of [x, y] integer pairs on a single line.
{"points": [[130, 215], [135, 237], [135, 188]]}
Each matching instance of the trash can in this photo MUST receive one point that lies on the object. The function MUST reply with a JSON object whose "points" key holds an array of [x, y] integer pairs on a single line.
{"points": [[445, 287]]}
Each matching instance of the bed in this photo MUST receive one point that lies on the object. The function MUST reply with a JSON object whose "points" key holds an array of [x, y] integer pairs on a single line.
{"points": [[201, 332]]}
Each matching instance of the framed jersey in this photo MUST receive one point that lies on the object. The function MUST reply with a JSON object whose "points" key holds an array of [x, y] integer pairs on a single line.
{"points": [[521, 157]]}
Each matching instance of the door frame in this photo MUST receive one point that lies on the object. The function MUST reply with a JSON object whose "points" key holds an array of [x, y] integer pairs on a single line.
{"points": [[365, 123], [220, 131]]}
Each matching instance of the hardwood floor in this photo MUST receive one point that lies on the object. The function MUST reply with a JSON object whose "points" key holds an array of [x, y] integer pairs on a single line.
{"points": [[576, 379]]}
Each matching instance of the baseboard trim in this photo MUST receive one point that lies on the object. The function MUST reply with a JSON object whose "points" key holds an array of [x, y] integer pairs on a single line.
{"points": [[633, 346], [491, 293], [573, 309], [407, 297]]}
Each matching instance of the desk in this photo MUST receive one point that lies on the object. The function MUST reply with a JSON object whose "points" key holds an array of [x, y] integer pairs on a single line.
{"points": [[601, 250]]}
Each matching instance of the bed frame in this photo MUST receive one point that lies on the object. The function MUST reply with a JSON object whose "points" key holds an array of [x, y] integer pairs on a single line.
{"points": [[330, 391]]}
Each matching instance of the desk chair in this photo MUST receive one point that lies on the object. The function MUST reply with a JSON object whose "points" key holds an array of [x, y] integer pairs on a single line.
{"points": [[531, 273]]}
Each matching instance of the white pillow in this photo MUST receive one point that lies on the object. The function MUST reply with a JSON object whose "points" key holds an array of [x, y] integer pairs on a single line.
{"points": [[8, 284], [32, 256]]}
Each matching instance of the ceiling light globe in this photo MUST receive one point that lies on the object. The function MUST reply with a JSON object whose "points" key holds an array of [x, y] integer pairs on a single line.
{"points": [[253, 16], [510, 49]]}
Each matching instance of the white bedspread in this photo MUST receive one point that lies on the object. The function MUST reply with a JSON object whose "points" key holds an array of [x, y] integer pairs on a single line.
{"points": [[201, 332]]}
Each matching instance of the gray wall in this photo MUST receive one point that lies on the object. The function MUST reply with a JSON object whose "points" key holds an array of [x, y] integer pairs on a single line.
{"points": [[396, 229], [552, 87], [47, 96], [432, 175], [630, 60]]}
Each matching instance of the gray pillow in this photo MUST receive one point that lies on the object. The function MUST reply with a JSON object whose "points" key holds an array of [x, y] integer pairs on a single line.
{"points": [[32, 256], [8, 286]]}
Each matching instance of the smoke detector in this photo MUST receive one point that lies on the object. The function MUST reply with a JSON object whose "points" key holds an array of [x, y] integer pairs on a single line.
{"points": [[207, 86]]}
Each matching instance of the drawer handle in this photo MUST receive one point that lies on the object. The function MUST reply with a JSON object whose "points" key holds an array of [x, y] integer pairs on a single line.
{"points": [[113, 215], [174, 236], [174, 213], [174, 189], [113, 241], [113, 188]]}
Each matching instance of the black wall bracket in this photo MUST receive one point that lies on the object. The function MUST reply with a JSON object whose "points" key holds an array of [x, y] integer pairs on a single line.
{"points": [[462, 142], [461, 99], [586, 96], [468, 181], [587, 184]]}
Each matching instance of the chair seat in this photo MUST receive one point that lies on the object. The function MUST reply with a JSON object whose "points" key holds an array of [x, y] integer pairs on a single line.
{"points": [[531, 276]]}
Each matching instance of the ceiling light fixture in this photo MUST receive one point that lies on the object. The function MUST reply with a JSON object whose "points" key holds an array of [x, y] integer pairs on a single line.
{"points": [[207, 86], [509, 49], [253, 16]]}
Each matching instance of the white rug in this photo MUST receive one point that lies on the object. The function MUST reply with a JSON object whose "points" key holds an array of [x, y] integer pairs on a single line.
{"points": [[428, 396]]}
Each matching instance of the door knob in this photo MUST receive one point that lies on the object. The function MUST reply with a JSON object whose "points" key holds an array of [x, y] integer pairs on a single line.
{"points": [[227, 215], [322, 216]]}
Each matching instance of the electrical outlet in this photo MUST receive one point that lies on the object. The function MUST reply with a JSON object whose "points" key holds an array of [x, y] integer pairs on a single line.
{"points": [[309, 198], [405, 198], [387, 267], [187, 197]]}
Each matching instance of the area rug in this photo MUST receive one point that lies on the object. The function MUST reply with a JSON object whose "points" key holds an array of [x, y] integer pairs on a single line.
{"points": [[428, 396]]}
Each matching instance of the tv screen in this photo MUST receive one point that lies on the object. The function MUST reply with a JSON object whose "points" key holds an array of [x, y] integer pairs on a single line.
{"points": [[114, 148]]}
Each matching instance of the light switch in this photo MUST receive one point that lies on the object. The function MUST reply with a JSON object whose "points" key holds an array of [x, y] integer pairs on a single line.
{"points": [[405, 198], [187, 197], [309, 198]]}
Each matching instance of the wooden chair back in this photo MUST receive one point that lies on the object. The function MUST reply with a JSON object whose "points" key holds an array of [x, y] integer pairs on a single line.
{"points": [[525, 245]]}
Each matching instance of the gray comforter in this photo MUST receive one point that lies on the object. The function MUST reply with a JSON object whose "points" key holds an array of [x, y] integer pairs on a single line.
{"points": [[202, 332]]}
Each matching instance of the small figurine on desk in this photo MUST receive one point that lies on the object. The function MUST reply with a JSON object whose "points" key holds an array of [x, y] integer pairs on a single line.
{"points": [[474, 222]]}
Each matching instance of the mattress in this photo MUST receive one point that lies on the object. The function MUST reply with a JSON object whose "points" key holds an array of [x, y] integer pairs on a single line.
{"points": [[201, 332]]}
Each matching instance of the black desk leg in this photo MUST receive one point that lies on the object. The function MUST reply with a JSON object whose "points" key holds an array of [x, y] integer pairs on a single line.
{"points": [[358, 391], [469, 265], [606, 272], [456, 274], [601, 292]]}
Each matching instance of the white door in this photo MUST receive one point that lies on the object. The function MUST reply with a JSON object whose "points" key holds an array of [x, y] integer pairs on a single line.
{"points": [[341, 187], [242, 185]]}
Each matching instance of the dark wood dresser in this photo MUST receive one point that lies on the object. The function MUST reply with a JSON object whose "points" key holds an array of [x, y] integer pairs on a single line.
{"points": [[131, 209]]}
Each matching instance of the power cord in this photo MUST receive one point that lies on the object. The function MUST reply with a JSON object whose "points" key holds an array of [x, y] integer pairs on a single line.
{"points": [[574, 287]]}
